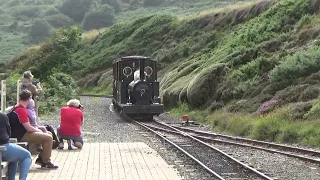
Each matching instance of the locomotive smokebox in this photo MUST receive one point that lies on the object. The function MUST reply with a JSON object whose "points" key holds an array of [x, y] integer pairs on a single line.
{"points": [[140, 92]]}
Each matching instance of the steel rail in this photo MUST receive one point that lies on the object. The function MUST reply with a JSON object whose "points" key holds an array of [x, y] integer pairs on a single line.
{"points": [[221, 152], [182, 150], [244, 145], [274, 145]]}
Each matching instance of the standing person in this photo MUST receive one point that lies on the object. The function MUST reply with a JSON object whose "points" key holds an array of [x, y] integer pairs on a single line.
{"points": [[71, 120], [14, 153], [24, 132], [36, 90]]}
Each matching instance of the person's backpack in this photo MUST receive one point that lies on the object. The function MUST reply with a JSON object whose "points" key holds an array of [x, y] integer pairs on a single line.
{"points": [[10, 112], [54, 136]]}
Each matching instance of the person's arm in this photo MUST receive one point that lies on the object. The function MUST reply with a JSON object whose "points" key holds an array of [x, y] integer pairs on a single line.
{"points": [[30, 128], [8, 127], [36, 91], [24, 120]]}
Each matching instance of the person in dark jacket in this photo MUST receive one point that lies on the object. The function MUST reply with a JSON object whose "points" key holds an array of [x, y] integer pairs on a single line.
{"points": [[14, 153]]}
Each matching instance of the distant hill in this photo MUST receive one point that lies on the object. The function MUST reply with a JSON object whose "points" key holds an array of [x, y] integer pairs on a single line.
{"points": [[29, 22]]}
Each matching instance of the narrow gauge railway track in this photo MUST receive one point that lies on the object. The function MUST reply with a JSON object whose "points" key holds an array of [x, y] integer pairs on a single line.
{"points": [[218, 163], [300, 153]]}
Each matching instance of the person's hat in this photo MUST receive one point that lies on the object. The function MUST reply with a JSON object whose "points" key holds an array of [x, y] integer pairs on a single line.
{"points": [[27, 74]]}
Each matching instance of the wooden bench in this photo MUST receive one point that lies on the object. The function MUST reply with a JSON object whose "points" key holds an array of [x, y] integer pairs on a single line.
{"points": [[4, 164]]}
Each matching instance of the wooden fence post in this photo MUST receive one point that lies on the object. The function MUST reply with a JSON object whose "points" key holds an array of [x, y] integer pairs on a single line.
{"points": [[3, 95], [18, 89]]}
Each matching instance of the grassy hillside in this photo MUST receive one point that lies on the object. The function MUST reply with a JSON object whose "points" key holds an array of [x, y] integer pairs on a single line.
{"points": [[251, 70], [26, 23]]}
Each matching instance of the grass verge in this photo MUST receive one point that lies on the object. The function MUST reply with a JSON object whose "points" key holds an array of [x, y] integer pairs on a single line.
{"points": [[275, 126]]}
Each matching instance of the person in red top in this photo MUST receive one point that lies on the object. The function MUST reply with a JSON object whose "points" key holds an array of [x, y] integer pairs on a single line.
{"points": [[70, 124], [24, 132]]}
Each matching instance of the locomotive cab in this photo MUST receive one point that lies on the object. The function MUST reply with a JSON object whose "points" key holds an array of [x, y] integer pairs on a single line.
{"points": [[135, 87]]}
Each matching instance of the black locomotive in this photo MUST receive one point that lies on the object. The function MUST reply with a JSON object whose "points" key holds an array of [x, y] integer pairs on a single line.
{"points": [[135, 87]]}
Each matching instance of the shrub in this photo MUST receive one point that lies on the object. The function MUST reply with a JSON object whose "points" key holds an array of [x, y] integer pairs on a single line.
{"points": [[113, 3], [58, 89], [75, 9], [268, 106], [268, 128], [298, 110], [39, 31], [59, 20], [300, 64], [103, 17], [29, 11], [51, 11], [313, 113]]}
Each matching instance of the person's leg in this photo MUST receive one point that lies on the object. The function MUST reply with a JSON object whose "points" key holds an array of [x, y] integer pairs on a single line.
{"points": [[77, 141], [43, 129], [61, 145], [41, 138], [15, 154]]}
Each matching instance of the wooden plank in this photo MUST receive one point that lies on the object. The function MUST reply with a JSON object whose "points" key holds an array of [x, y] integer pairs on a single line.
{"points": [[13, 140], [3, 148], [4, 168]]}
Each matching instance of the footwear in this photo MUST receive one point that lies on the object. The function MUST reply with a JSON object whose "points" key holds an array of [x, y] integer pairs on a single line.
{"points": [[39, 161], [69, 145], [61, 145], [49, 165]]}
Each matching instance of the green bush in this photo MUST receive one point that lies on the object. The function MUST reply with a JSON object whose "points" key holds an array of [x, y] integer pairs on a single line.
{"points": [[58, 88], [30, 11], [113, 3], [75, 9], [51, 11], [300, 64], [100, 18], [59, 20], [39, 31], [56, 53]]}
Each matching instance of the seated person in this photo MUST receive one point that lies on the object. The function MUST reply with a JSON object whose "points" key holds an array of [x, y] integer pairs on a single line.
{"points": [[24, 132], [70, 124], [136, 75], [33, 116], [14, 153]]}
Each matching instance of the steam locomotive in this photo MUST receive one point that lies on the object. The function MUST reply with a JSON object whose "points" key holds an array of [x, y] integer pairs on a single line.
{"points": [[135, 87]]}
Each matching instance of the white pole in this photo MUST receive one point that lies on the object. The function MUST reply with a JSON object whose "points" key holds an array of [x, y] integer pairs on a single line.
{"points": [[18, 89], [3, 95]]}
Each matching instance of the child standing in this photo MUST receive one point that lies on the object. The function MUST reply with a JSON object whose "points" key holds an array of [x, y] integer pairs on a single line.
{"points": [[33, 116]]}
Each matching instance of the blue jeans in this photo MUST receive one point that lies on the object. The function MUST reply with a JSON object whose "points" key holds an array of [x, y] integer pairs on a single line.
{"points": [[73, 138], [13, 155]]}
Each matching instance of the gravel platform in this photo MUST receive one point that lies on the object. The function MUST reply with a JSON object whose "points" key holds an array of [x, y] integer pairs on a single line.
{"points": [[103, 124], [282, 166]]}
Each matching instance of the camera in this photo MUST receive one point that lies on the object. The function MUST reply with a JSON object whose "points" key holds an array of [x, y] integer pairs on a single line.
{"points": [[35, 83]]}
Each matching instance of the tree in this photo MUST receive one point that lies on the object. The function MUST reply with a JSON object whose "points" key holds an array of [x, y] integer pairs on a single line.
{"points": [[57, 52], [39, 31], [75, 9], [100, 18], [113, 3]]}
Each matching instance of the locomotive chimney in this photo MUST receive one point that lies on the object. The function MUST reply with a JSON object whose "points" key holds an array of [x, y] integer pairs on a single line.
{"points": [[142, 75]]}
